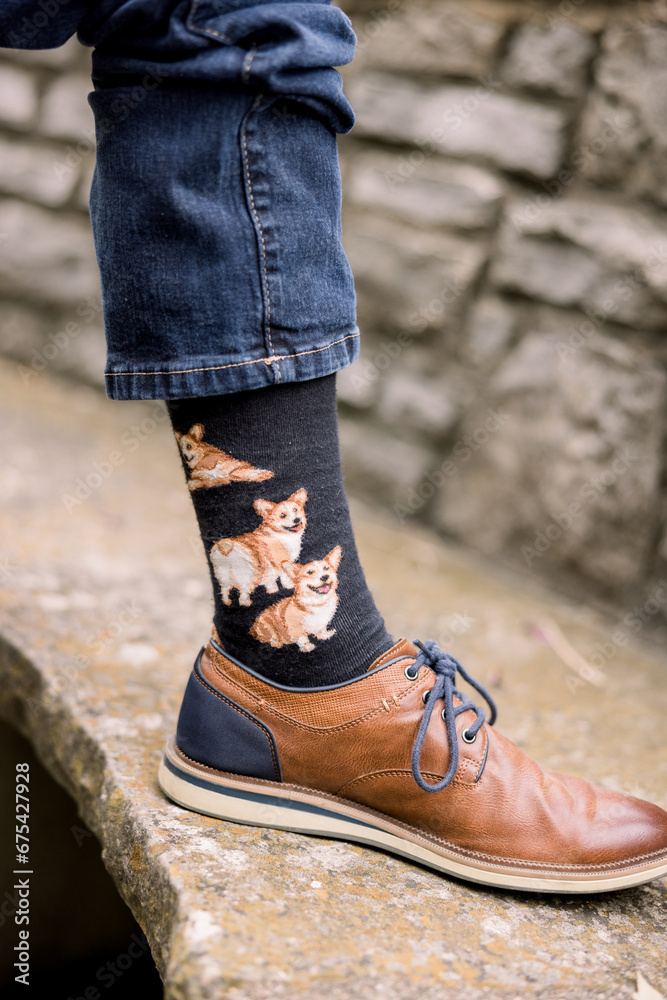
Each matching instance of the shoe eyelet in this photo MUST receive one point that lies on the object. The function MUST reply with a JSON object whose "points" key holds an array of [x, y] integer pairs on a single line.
{"points": [[410, 677], [426, 694], [467, 738]]}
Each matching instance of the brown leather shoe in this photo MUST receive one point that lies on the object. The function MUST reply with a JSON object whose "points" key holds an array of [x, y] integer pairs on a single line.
{"points": [[399, 759]]}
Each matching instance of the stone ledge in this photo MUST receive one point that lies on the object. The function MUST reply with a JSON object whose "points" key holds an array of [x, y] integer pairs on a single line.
{"points": [[104, 609]]}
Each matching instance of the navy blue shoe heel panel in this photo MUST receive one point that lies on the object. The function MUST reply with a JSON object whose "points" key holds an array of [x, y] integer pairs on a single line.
{"points": [[215, 731]]}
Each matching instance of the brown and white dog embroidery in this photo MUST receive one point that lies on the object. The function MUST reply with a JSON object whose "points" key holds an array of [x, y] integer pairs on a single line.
{"points": [[257, 559], [308, 611], [210, 466]]}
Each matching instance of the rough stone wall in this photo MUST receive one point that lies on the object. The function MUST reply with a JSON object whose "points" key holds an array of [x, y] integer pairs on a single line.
{"points": [[50, 313], [506, 219]]}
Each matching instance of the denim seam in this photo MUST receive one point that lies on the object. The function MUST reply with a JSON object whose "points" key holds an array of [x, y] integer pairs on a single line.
{"points": [[203, 31], [248, 60], [246, 163], [239, 364]]}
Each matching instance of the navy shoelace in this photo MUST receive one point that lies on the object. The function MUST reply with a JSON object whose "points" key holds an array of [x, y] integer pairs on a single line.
{"points": [[445, 666]]}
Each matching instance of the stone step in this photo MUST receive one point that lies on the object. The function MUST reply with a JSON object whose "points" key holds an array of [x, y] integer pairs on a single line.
{"points": [[105, 603]]}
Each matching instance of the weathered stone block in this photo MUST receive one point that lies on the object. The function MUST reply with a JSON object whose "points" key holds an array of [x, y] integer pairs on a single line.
{"points": [[445, 37], [377, 465], [426, 405], [552, 59], [516, 134], [70, 343], [18, 96], [33, 172], [552, 270], [584, 249], [383, 354], [623, 235], [427, 192], [610, 133], [21, 329], [66, 113], [357, 385], [409, 279], [47, 257], [574, 471], [631, 75], [490, 328]]}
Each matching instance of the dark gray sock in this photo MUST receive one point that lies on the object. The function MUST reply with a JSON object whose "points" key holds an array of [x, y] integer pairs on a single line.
{"points": [[291, 602]]}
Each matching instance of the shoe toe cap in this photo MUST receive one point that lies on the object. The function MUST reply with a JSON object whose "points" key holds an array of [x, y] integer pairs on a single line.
{"points": [[613, 826]]}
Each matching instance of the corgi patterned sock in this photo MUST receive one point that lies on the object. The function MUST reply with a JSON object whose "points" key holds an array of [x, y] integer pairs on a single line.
{"points": [[263, 468]]}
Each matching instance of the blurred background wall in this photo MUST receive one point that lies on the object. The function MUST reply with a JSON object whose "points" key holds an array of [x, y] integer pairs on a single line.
{"points": [[506, 219]]}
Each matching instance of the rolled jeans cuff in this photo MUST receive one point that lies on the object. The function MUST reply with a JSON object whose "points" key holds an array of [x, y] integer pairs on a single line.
{"points": [[216, 198], [220, 376], [216, 217]]}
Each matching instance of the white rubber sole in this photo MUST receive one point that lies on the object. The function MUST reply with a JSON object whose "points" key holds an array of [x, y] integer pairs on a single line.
{"points": [[255, 802]]}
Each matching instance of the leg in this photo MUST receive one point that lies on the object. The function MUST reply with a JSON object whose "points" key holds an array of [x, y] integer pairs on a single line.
{"points": [[293, 519], [227, 291]]}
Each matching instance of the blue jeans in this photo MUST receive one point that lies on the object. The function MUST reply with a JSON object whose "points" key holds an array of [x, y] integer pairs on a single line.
{"points": [[216, 198]]}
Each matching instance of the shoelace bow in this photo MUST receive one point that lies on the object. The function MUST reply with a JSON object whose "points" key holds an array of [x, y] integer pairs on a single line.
{"points": [[444, 666]]}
